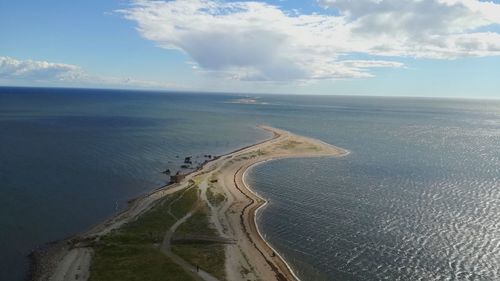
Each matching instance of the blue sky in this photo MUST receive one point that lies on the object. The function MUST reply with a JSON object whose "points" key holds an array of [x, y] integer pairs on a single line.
{"points": [[386, 47]]}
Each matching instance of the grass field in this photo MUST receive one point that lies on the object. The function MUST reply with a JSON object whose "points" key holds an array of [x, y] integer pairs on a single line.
{"points": [[132, 252], [215, 198], [208, 256]]}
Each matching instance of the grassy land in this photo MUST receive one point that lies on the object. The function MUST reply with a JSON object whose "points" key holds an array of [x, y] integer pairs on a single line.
{"points": [[197, 224], [180, 207], [208, 256], [289, 144], [134, 262], [132, 253], [215, 198]]}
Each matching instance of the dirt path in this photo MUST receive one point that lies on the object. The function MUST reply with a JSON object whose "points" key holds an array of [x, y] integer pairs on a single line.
{"points": [[214, 217], [166, 247]]}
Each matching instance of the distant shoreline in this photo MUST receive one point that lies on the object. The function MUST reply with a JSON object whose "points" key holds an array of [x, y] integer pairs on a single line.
{"points": [[72, 257]]}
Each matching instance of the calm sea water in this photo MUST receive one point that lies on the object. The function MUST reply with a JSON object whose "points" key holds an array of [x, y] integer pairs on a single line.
{"points": [[418, 198], [70, 158]]}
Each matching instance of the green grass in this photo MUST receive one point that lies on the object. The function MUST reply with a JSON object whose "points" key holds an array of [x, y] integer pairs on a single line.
{"points": [[197, 224], [134, 263], [289, 144], [215, 198], [181, 207], [208, 256], [253, 154], [132, 253]]}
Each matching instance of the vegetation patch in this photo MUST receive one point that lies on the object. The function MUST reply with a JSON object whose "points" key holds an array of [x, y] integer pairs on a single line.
{"points": [[208, 255], [314, 147], [197, 224], [181, 207], [251, 154], [290, 144], [133, 263], [215, 198], [132, 251]]}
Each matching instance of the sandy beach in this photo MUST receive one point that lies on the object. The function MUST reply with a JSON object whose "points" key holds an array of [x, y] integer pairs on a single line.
{"points": [[247, 255]]}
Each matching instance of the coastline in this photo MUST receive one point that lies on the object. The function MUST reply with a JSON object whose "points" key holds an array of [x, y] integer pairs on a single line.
{"points": [[43, 259], [259, 208], [264, 203], [260, 202], [71, 258]]}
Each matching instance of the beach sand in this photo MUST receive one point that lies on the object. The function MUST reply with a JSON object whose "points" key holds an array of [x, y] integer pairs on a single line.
{"points": [[250, 257]]}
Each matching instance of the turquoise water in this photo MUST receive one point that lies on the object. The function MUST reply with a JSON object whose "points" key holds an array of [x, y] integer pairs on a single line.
{"points": [[418, 198]]}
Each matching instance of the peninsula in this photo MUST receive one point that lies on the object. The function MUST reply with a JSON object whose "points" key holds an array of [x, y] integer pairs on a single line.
{"points": [[200, 228]]}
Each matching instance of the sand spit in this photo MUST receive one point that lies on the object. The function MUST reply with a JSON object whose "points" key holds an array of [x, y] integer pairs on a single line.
{"points": [[249, 258]]}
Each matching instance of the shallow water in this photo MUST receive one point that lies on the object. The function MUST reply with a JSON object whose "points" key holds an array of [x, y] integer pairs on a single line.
{"points": [[418, 198]]}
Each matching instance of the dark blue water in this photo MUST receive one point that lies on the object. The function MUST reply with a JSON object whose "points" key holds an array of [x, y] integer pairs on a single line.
{"points": [[418, 198], [70, 158]]}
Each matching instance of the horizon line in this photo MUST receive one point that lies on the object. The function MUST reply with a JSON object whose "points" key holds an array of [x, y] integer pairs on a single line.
{"points": [[173, 91]]}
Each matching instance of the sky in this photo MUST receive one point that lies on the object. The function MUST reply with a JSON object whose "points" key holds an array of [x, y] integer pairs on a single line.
{"points": [[436, 48]]}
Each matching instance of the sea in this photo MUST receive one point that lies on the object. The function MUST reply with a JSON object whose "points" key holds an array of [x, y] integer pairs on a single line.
{"points": [[417, 198]]}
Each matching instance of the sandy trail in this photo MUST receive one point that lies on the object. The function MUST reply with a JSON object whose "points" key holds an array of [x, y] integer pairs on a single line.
{"points": [[77, 262], [214, 216]]}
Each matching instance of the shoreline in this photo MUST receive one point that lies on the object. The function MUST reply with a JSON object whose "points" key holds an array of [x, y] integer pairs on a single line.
{"points": [[266, 202], [262, 202], [261, 207], [72, 256]]}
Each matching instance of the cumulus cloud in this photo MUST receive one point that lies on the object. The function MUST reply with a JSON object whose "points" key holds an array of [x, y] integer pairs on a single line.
{"points": [[37, 70], [258, 41], [14, 70], [246, 40], [438, 29]]}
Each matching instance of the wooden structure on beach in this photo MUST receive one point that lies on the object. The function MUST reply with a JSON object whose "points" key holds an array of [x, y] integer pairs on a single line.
{"points": [[177, 178]]}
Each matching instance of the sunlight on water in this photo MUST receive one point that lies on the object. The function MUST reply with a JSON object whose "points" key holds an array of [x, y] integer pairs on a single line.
{"points": [[417, 199]]}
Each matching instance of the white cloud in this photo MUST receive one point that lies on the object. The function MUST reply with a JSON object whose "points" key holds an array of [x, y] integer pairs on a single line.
{"points": [[37, 70], [439, 29], [258, 41], [43, 72], [245, 40]]}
